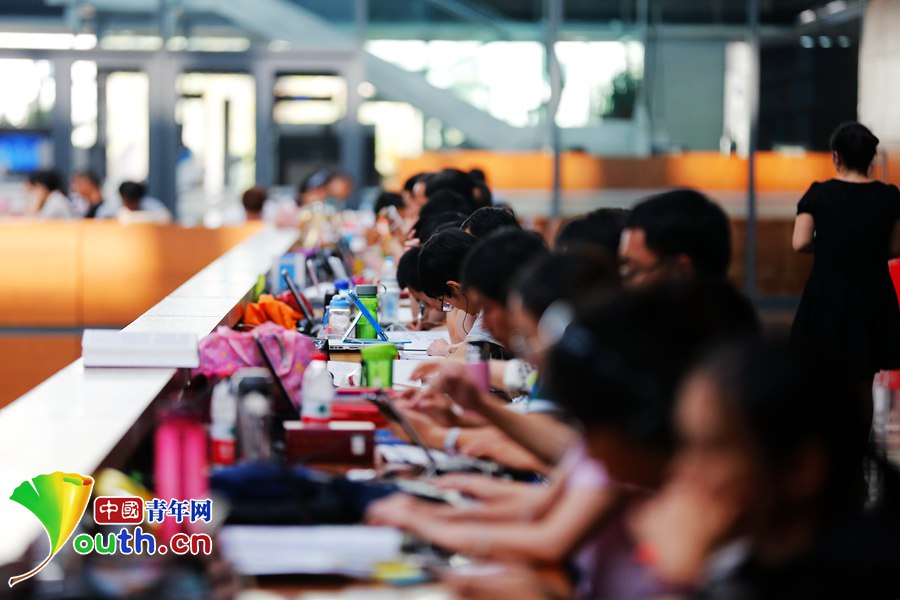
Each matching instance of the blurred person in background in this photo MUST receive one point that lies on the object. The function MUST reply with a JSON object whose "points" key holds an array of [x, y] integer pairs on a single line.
{"points": [[340, 188], [848, 317], [601, 228], [314, 187], [86, 185], [137, 206], [679, 234], [253, 200], [47, 198]]}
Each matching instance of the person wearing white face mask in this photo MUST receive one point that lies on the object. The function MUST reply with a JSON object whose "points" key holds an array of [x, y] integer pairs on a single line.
{"points": [[47, 199]]}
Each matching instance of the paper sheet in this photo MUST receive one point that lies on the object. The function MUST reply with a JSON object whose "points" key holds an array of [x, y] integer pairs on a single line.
{"points": [[324, 549]]}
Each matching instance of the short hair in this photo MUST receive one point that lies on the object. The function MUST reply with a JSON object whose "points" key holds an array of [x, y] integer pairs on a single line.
{"points": [[631, 351], [318, 178], [856, 146], [451, 179], [408, 269], [566, 275], [492, 265], [386, 199], [254, 198], [601, 228], [426, 227], [488, 219], [444, 201], [686, 222], [441, 260], [90, 176], [411, 182], [47, 178], [132, 190]]}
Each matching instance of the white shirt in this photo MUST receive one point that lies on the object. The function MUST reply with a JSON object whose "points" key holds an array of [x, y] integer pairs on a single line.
{"points": [[478, 333], [56, 206]]}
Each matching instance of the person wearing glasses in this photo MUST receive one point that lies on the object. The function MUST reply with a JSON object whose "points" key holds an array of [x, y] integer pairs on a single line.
{"points": [[680, 234], [440, 274]]}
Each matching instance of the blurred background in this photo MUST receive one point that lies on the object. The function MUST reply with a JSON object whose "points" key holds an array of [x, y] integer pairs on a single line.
{"points": [[565, 104]]}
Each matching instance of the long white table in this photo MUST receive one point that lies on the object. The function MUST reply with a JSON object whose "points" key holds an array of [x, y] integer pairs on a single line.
{"points": [[80, 420]]}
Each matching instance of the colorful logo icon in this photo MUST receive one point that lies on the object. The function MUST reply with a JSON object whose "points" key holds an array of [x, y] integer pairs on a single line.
{"points": [[58, 500]]}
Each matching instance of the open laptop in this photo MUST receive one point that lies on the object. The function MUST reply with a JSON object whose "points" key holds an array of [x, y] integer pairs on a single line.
{"points": [[307, 314]]}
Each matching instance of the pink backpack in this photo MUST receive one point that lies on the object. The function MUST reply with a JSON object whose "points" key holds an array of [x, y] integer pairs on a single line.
{"points": [[225, 350]]}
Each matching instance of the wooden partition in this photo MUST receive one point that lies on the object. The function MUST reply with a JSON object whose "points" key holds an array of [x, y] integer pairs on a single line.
{"points": [[708, 171], [60, 277]]}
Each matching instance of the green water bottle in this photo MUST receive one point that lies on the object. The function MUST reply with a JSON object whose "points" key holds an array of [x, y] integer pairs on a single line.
{"points": [[368, 295]]}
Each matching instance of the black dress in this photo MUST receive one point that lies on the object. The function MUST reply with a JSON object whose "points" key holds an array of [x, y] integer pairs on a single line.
{"points": [[849, 318]]}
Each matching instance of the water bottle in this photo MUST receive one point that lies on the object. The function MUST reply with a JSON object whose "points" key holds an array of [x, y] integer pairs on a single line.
{"points": [[338, 318], [368, 296], [223, 418], [390, 304], [254, 413], [318, 391], [478, 363]]}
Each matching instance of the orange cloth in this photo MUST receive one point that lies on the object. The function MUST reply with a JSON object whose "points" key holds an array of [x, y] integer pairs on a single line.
{"points": [[270, 309]]}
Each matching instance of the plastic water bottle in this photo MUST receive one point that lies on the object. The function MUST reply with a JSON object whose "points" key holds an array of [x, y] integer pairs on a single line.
{"points": [[477, 363], [390, 304], [318, 391], [223, 418], [338, 318]]}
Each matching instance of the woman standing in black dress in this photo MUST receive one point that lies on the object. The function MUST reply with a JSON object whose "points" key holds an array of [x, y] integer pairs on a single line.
{"points": [[849, 318]]}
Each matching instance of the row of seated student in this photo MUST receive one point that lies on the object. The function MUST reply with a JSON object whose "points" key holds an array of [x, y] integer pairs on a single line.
{"points": [[683, 453], [47, 199]]}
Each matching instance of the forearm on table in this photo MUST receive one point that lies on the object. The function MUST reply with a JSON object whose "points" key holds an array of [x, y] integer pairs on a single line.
{"points": [[548, 540], [541, 435]]}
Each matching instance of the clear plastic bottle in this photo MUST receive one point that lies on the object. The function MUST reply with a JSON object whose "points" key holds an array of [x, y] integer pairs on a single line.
{"points": [[222, 421], [477, 363], [338, 318], [318, 391], [390, 303]]}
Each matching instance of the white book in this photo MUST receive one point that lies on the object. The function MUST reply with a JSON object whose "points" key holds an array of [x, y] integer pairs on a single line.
{"points": [[113, 348], [323, 549]]}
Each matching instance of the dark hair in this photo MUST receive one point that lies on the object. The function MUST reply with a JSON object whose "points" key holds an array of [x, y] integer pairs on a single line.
{"points": [[619, 364], [786, 403], [408, 269], [318, 178], [133, 191], [488, 219], [49, 179], [410, 183], [686, 222], [90, 175], [855, 145], [451, 179], [428, 226], [441, 261], [567, 275], [386, 199], [492, 265], [444, 201], [477, 175], [601, 228], [254, 198]]}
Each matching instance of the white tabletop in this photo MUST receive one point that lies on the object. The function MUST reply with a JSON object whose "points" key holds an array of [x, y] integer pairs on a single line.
{"points": [[81, 419]]}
